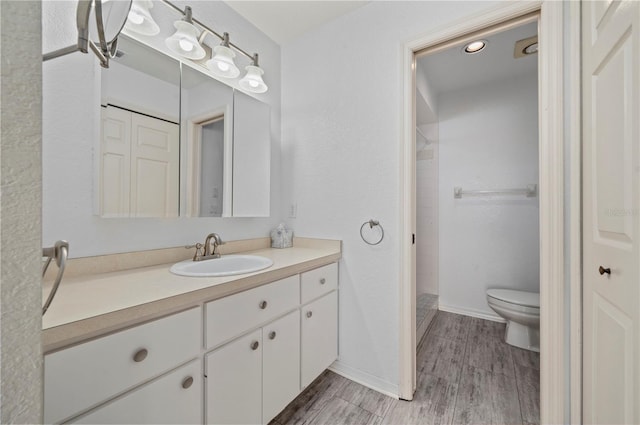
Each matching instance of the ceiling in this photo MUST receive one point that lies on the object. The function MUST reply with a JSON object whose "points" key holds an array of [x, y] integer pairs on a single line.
{"points": [[452, 69], [283, 21]]}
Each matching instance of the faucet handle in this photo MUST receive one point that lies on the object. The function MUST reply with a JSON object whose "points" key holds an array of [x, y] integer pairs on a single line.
{"points": [[198, 246]]}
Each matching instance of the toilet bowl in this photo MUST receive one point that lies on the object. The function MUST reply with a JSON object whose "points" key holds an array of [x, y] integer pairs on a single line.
{"points": [[521, 310]]}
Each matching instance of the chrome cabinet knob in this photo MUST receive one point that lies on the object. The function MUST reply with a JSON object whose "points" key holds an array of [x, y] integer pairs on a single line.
{"points": [[323, 281], [187, 382], [140, 355], [602, 270], [272, 335], [263, 305], [255, 345], [309, 313]]}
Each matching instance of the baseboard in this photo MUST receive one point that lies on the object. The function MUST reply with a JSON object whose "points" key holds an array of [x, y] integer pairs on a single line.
{"points": [[363, 378], [471, 312]]}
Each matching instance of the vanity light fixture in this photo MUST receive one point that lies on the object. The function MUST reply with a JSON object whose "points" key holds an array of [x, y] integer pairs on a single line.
{"points": [[185, 40], [252, 81], [222, 63], [140, 20], [475, 46]]}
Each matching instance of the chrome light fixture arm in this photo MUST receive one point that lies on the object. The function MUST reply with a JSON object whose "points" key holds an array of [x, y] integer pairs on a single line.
{"points": [[106, 50]]}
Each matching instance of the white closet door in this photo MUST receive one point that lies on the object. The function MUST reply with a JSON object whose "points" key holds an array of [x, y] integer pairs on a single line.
{"points": [[115, 159], [611, 211], [155, 157]]}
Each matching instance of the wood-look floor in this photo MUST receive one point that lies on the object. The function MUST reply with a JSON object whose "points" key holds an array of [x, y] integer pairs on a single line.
{"points": [[466, 373]]}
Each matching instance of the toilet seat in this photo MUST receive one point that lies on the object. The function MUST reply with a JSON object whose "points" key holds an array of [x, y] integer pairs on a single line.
{"points": [[519, 298]]}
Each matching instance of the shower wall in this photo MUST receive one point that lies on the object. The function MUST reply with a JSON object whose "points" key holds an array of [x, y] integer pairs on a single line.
{"points": [[426, 187], [488, 140]]}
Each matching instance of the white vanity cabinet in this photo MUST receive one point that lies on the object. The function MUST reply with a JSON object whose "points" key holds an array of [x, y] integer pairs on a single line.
{"points": [[87, 375], [241, 360]]}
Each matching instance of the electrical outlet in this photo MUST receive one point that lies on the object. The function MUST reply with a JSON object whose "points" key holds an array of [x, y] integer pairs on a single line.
{"points": [[293, 210]]}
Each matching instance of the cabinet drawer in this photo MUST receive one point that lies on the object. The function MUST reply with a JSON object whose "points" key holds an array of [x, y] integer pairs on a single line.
{"points": [[318, 282], [235, 314], [88, 374], [175, 398]]}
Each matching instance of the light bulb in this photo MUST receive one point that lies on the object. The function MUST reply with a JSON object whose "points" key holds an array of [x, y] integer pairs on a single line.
{"points": [[136, 18], [223, 66], [186, 45], [253, 83]]}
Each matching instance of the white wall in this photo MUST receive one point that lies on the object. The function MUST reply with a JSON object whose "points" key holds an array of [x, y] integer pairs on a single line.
{"points": [[488, 140], [70, 132], [341, 105]]}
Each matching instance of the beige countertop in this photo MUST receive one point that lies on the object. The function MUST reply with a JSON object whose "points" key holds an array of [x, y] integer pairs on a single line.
{"points": [[87, 306]]}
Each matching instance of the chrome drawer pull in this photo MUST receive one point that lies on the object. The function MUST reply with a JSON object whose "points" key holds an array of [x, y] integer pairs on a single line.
{"points": [[323, 281], [187, 382], [309, 313], [140, 355], [255, 345], [272, 335], [263, 305]]}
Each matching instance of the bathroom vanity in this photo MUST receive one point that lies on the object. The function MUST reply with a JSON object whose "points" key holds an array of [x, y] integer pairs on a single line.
{"points": [[145, 346]]}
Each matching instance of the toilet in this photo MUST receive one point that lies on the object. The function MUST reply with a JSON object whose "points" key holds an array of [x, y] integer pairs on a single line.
{"points": [[522, 312]]}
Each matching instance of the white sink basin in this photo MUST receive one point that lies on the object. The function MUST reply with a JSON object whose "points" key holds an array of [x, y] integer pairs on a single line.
{"points": [[227, 265]]}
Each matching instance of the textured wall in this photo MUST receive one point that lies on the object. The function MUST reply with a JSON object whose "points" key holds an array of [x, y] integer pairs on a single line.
{"points": [[20, 231], [341, 138], [488, 140]]}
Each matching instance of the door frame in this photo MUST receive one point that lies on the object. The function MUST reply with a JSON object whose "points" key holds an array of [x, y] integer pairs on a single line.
{"points": [[554, 351]]}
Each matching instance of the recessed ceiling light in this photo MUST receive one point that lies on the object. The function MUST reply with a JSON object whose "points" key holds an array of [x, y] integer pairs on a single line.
{"points": [[531, 49], [475, 46], [526, 47]]}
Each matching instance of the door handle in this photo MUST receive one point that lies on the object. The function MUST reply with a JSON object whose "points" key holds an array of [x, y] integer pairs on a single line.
{"points": [[602, 270]]}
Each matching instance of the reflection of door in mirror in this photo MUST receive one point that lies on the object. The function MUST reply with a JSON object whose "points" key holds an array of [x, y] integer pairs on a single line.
{"points": [[139, 165], [207, 167], [140, 135], [207, 122]]}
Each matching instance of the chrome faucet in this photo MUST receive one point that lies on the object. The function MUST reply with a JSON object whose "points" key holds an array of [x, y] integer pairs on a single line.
{"points": [[204, 252], [217, 241]]}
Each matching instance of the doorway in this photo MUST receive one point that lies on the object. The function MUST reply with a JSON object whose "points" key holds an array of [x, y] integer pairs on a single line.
{"points": [[553, 381]]}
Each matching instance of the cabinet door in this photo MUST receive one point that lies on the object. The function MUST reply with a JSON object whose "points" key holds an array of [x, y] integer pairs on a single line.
{"points": [[280, 364], [234, 382], [319, 337], [175, 398]]}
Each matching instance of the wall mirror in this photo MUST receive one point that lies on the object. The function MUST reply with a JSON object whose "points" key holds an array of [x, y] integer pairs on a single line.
{"points": [[139, 152]]}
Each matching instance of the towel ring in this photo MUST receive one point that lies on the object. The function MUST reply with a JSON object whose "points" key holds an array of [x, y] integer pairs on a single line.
{"points": [[372, 223]]}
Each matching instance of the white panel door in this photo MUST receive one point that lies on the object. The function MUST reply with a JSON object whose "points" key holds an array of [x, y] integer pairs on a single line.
{"points": [[115, 157], [611, 210], [280, 364], [319, 346], [175, 398], [155, 157], [251, 157], [234, 382]]}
